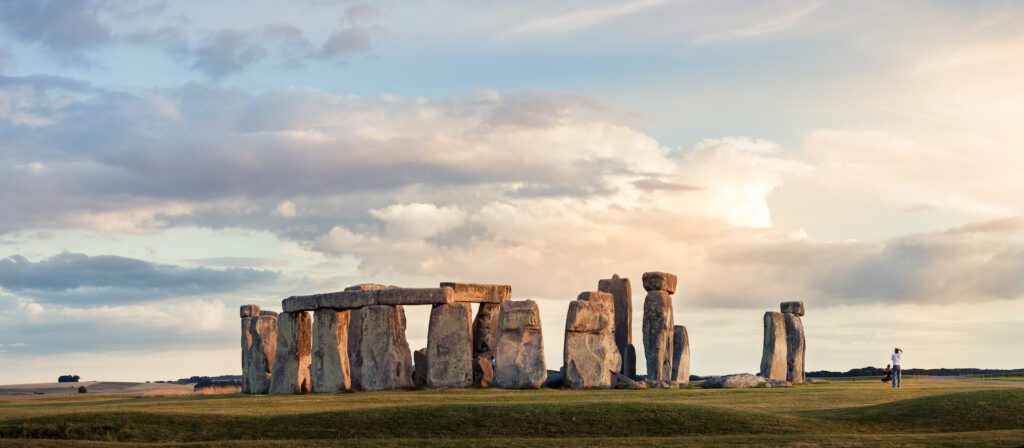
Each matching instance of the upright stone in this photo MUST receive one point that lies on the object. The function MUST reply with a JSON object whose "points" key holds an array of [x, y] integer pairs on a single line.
{"points": [[262, 351], [590, 356], [294, 347], [622, 294], [773, 358], [485, 330], [519, 353], [378, 351], [450, 346], [658, 333], [629, 362], [246, 313], [796, 346], [330, 369], [681, 355], [419, 368]]}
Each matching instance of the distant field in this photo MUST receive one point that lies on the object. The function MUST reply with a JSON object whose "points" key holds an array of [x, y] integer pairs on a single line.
{"points": [[848, 413]]}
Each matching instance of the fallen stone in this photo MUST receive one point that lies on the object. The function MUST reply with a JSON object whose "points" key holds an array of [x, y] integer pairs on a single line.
{"points": [[415, 296], [661, 384], [795, 307], [519, 356], [590, 355], [419, 371], [450, 346], [660, 281], [817, 381], [658, 334], [776, 383], [330, 366], [262, 351], [737, 381], [483, 372], [378, 351], [248, 311], [485, 330], [292, 360], [479, 293], [620, 381], [622, 295], [680, 355], [555, 379], [588, 317], [774, 354], [796, 346]]}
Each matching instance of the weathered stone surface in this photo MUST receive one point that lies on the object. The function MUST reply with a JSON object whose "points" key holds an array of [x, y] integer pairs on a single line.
{"points": [[588, 317], [795, 307], [419, 372], [620, 381], [479, 293], [777, 383], [268, 313], [341, 300], [657, 331], [773, 358], [369, 287], [555, 379], [297, 304], [590, 356], [680, 355], [294, 347], [246, 353], [378, 351], [598, 296], [415, 296], [629, 361], [661, 384], [519, 356], [485, 330], [450, 346], [622, 295], [330, 368], [262, 351], [660, 281], [796, 346], [483, 372], [737, 381], [248, 311]]}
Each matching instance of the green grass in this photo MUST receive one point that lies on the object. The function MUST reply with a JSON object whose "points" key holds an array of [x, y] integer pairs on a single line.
{"points": [[924, 413]]}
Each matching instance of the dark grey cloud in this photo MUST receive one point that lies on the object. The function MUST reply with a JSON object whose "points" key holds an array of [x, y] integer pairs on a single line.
{"points": [[226, 52], [82, 279], [66, 27]]}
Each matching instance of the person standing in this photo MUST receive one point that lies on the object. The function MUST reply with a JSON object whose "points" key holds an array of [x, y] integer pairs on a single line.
{"points": [[897, 371]]}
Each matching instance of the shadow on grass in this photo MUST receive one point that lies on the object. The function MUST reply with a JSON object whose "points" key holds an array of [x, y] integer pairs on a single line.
{"points": [[962, 411]]}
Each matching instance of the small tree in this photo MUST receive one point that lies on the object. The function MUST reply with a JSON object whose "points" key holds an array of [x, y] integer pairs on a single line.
{"points": [[82, 389]]}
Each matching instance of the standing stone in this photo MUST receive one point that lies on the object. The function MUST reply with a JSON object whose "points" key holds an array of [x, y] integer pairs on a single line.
{"points": [[483, 372], [622, 294], [294, 347], [519, 353], [450, 346], [796, 346], [681, 355], [773, 358], [262, 351], [629, 362], [658, 334], [485, 330], [378, 351], [330, 369], [590, 357], [246, 313], [419, 368], [660, 281]]}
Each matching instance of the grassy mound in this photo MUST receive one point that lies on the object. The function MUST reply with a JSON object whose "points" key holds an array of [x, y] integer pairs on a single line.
{"points": [[963, 411]]}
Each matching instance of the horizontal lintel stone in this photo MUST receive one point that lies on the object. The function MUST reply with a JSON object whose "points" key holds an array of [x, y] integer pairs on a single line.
{"points": [[479, 293]]}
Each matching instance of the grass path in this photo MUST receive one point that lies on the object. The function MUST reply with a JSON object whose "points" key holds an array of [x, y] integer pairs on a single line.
{"points": [[924, 413]]}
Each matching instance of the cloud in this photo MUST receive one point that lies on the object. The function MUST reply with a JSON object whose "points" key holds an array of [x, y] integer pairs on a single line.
{"points": [[65, 27], [69, 278]]}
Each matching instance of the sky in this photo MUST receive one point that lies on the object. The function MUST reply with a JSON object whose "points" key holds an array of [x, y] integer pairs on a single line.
{"points": [[162, 163]]}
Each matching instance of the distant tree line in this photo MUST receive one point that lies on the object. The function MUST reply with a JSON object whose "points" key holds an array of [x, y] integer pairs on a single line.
{"points": [[68, 378], [204, 379], [875, 371]]}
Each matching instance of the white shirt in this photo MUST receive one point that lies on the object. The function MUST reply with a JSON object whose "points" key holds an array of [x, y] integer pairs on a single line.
{"points": [[896, 358]]}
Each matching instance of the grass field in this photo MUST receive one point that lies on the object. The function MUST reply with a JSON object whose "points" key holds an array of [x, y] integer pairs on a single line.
{"points": [[923, 413]]}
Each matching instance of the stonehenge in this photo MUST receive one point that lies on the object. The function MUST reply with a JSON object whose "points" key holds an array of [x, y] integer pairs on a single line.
{"points": [[354, 339], [782, 358], [519, 350], [658, 324]]}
